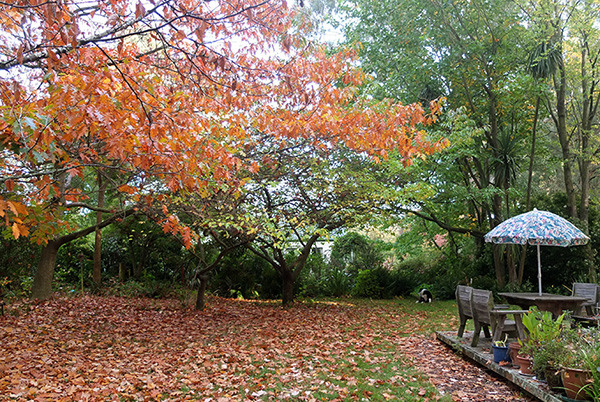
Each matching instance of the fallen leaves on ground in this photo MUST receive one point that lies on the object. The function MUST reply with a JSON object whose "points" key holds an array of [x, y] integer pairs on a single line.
{"points": [[114, 349], [464, 380]]}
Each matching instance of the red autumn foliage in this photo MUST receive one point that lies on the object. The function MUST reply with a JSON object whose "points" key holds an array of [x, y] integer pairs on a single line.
{"points": [[161, 96]]}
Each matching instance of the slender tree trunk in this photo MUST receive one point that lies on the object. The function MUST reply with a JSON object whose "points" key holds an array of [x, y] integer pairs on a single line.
{"points": [[42, 282], [587, 119], [138, 264], [522, 264], [498, 264], [523, 256], [563, 137], [201, 297], [502, 262], [511, 264], [122, 272], [97, 271], [532, 153], [584, 206]]}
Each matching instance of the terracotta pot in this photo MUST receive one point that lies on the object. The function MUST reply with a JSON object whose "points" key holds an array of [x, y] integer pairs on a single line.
{"points": [[526, 364], [574, 380], [513, 350]]}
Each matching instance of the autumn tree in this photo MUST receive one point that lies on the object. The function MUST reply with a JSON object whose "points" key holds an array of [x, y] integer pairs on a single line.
{"points": [[302, 193], [218, 226], [163, 95]]}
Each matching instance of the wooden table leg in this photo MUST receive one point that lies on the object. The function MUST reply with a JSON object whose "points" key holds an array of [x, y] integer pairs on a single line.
{"points": [[520, 327]]}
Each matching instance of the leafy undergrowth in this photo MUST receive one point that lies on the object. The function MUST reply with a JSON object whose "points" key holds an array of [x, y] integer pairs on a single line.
{"points": [[113, 349]]}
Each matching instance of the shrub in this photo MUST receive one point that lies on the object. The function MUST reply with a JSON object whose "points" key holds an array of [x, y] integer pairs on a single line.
{"points": [[240, 273], [355, 252], [367, 284], [402, 282], [337, 282], [146, 287], [321, 279], [72, 259], [18, 261]]}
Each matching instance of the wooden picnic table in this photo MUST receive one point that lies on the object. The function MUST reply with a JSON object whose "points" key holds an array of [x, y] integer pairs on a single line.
{"points": [[556, 304]]}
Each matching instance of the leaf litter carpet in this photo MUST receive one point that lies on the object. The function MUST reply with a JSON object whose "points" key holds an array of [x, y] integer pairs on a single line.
{"points": [[114, 349]]}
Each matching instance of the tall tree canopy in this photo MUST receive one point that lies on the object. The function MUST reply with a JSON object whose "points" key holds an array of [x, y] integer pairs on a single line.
{"points": [[522, 87], [159, 97], [469, 52]]}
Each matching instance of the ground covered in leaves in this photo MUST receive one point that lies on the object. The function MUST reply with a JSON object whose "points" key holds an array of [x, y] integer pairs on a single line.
{"points": [[114, 349]]}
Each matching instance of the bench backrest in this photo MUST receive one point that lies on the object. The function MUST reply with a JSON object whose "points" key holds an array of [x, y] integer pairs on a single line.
{"points": [[587, 290], [463, 300], [482, 302]]}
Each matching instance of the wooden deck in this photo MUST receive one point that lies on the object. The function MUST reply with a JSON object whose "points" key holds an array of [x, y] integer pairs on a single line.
{"points": [[482, 354]]}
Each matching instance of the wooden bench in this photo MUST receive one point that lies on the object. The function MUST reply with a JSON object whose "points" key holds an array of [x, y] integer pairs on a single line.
{"points": [[486, 316], [463, 301], [590, 292]]}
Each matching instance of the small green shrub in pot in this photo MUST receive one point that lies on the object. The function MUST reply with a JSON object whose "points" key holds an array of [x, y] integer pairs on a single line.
{"points": [[588, 353], [544, 342], [548, 358], [541, 328]]}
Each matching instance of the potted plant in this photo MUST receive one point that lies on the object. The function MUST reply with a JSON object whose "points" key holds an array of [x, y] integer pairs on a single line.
{"points": [[500, 350], [580, 373], [525, 363], [576, 382], [529, 344], [591, 375], [548, 358], [540, 346]]}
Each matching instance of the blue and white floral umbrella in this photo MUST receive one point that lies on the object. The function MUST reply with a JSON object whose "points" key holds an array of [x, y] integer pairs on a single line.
{"points": [[537, 228]]}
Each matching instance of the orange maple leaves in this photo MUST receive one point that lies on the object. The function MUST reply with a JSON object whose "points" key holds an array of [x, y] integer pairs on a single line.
{"points": [[164, 98], [14, 212]]}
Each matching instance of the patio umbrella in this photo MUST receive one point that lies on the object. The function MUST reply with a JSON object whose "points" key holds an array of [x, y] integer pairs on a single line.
{"points": [[539, 228]]}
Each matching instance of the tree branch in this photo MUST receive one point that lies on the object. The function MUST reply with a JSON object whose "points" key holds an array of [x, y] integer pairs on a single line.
{"points": [[84, 232], [443, 225], [90, 207]]}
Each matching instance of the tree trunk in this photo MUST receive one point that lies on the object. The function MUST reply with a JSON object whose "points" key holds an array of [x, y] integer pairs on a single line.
{"points": [[499, 265], [532, 154], [563, 137], [511, 264], [287, 288], [138, 263], [584, 206], [587, 121], [97, 271], [200, 299], [522, 264], [42, 282], [122, 272]]}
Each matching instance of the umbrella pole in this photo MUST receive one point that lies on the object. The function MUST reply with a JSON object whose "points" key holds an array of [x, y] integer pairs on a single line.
{"points": [[539, 270]]}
